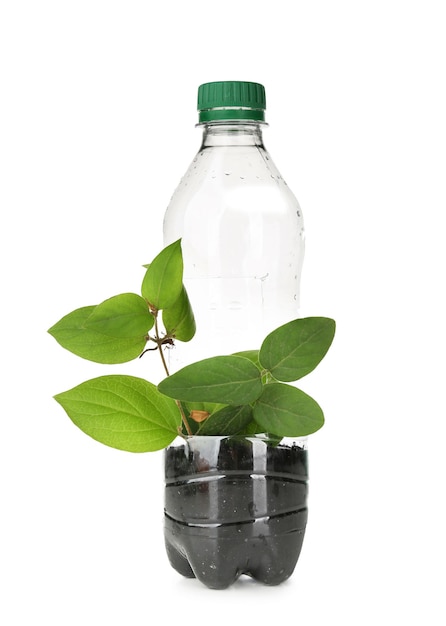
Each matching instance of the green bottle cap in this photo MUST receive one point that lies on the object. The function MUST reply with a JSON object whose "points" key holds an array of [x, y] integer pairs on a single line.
{"points": [[231, 100]]}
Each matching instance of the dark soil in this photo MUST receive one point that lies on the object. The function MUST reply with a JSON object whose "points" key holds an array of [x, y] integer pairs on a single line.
{"points": [[235, 506]]}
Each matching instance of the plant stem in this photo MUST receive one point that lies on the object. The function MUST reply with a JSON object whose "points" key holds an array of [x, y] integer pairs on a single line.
{"points": [[158, 341], [184, 418], [160, 348]]}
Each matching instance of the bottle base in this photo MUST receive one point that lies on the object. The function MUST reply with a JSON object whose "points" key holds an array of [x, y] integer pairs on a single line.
{"points": [[265, 549]]}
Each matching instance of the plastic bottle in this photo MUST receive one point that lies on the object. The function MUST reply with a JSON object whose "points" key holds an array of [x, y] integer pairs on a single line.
{"points": [[241, 228], [233, 506]]}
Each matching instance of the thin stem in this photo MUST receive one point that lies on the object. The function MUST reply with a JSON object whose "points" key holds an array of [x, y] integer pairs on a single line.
{"points": [[184, 418], [163, 360], [178, 403]]}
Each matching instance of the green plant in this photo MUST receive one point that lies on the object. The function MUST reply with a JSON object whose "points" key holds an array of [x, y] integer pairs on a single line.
{"points": [[243, 393]]}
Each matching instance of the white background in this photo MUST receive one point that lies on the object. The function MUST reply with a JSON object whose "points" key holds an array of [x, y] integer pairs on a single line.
{"points": [[97, 127]]}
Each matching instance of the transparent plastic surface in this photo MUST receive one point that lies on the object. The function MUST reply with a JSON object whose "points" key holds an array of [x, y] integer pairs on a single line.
{"points": [[243, 242], [235, 505]]}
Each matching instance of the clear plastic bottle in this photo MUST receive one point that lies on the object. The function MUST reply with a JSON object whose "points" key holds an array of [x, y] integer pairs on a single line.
{"points": [[241, 228]]}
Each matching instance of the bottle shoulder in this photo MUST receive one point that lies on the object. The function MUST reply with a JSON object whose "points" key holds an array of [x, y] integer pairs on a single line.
{"points": [[236, 174]]}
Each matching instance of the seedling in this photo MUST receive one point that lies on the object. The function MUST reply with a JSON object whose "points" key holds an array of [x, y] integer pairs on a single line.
{"points": [[246, 393]]}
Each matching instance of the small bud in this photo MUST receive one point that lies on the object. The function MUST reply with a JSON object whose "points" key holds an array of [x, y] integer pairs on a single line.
{"points": [[199, 416]]}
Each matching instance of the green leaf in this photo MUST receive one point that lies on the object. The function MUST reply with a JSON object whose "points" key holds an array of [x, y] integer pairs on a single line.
{"points": [[125, 316], [296, 348], [179, 319], [227, 379], [252, 355], [163, 280], [230, 420], [287, 412], [209, 407], [251, 429], [73, 335], [123, 412]]}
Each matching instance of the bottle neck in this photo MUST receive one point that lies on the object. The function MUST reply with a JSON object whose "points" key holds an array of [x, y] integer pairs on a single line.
{"points": [[232, 134]]}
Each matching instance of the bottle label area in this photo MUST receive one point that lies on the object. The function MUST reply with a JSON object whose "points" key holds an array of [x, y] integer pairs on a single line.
{"points": [[232, 314]]}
